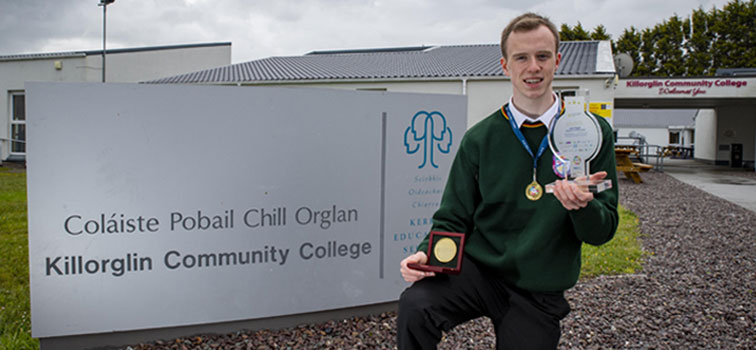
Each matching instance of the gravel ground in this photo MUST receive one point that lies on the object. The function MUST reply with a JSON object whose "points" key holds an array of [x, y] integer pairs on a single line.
{"points": [[696, 291]]}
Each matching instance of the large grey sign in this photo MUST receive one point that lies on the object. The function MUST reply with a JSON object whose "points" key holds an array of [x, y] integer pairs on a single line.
{"points": [[155, 206]]}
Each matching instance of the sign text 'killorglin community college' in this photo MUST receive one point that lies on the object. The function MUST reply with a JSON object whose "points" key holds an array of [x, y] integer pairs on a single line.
{"points": [[157, 206]]}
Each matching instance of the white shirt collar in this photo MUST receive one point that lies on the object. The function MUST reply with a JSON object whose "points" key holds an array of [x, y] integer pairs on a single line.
{"points": [[544, 118]]}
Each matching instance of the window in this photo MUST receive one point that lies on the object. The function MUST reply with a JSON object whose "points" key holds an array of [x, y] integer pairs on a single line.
{"points": [[18, 124], [563, 92], [674, 137]]}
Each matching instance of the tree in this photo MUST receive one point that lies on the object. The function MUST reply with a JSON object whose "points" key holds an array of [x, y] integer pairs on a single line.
{"points": [[576, 33], [698, 40], [668, 47], [580, 33], [565, 33], [647, 64], [695, 45], [599, 33], [630, 43], [734, 35]]}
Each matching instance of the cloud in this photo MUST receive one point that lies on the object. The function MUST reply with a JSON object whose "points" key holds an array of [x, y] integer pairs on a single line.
{"points": [[259, 29]]}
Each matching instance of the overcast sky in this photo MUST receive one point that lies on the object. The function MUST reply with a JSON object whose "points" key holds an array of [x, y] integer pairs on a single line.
{"points": [[259, 29]]}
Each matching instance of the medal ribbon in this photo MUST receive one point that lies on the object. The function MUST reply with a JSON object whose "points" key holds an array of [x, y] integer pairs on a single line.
{"points": [[521, 137]]}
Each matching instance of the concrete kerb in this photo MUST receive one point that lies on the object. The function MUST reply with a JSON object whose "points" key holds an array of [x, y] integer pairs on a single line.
{"points": [[737, 185]]}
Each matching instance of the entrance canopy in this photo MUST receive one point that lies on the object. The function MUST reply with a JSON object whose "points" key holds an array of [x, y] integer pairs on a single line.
{"points": [[725, 129], [709, 92]]}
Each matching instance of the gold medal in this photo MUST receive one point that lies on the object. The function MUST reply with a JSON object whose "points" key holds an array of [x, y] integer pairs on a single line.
{"points": [[445, 250], [533, 191]]}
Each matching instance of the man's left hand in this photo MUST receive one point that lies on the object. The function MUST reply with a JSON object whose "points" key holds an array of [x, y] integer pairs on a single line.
{"points": [[571, 196]]}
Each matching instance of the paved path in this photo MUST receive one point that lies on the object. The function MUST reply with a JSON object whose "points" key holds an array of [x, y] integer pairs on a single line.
{"points": [[735, 185]]}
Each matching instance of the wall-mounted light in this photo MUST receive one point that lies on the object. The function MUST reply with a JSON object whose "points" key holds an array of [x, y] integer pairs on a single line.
{"points": [[611, 82]]}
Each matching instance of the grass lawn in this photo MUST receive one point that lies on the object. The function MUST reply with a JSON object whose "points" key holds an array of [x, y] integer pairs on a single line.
{"points": [[15, 317], [623, 255]]}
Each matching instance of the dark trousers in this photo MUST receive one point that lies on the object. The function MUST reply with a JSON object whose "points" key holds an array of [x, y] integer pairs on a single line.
{"points": [[521, 319]]}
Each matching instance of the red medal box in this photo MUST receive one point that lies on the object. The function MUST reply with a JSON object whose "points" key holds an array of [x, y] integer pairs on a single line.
{"points": [[445, 251]]}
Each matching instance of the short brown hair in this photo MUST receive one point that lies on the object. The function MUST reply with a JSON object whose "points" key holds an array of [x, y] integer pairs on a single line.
{"points": [[524, 23]]}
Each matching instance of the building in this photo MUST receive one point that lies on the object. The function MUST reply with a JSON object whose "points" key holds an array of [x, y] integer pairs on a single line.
{"points": [[660, 127], [725, 124], [123, 65], [724, 132], [725, 129], [472, 70]]}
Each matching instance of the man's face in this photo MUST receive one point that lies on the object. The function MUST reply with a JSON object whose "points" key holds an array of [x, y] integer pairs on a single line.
{"points": [[531, 62]]}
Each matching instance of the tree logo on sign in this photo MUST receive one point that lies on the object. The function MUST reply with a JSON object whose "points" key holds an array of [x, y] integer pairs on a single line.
{"points": [[428, 132]]}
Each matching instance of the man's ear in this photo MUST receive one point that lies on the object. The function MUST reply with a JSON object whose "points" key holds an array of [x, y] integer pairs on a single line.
{"points": [[504, 66], [558, 59]]}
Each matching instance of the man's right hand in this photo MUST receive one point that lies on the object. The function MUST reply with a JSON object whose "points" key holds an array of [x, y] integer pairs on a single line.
{"points": [[412, 275]]}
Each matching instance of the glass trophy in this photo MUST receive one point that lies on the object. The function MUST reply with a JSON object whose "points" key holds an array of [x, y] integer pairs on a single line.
{"points": [[444, 253], [575, 139]]}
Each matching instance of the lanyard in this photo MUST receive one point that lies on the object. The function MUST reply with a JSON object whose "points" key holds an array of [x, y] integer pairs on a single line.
{"points": [[521, 137]]}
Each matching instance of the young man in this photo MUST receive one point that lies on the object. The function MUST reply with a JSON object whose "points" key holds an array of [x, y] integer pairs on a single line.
{"points": [[522, 248]]}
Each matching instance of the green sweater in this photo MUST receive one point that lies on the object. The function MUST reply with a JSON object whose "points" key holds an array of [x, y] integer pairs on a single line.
{"points": [[534, 245]]}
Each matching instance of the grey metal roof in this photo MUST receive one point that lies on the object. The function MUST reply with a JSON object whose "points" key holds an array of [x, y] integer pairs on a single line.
{"points": [[41, 56], [38, 56], [578, 58], [733, 72], [654, 118]]}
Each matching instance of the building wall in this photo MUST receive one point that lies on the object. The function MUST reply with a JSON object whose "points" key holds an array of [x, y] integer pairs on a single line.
{"points": [[435, 87], [736, 125], [598, 90], [153, 64], [484, 96], [13, 74], [706, 135], [131, 66], [454, 87], [654, 136], [687, 137]]}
